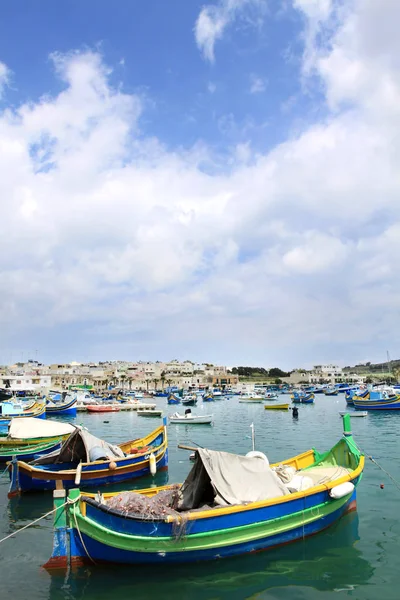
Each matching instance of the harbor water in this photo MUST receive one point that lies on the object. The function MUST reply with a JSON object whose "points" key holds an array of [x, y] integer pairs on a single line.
{"points": [[357, 558]]}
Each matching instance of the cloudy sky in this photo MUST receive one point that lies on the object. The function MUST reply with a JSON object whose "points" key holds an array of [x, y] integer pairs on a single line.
{"points": [[216, 180]]}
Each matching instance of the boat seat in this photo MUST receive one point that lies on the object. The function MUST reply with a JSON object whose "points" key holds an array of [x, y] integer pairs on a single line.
{"points": [[321, 475]]}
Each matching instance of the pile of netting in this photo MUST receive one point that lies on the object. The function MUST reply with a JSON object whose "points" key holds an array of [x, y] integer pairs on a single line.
{"points": [[158, 506]]}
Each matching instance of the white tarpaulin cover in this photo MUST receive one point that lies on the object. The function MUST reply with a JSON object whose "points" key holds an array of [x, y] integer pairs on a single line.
{"points": [[81, 446], [223, 478], [29, 428]]}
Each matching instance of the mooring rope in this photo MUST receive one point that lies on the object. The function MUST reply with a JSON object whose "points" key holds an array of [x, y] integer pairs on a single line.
{"points": [[10, 535], [5, 470], [396, 483], [80, 537]]}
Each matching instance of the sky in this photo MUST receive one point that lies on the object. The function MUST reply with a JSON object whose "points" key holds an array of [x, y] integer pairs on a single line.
{"points": [[213, 180]]}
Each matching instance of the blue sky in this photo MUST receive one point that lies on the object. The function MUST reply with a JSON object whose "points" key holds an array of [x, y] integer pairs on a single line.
{"points": [[152, 49], [214, 180]]}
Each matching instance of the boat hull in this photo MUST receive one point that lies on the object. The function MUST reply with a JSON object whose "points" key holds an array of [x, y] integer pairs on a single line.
{"points": [[102, 409], [68, 408], [234, 541], [276, 406]]}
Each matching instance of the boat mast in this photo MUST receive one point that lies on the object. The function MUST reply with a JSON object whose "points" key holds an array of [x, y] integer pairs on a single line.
{"points": [[389, 364]]}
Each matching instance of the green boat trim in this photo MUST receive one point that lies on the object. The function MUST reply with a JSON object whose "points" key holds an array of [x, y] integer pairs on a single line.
{"points": [[205, 540]]}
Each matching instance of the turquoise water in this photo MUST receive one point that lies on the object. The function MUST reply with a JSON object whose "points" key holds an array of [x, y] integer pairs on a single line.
{"points": [[357, 558]]}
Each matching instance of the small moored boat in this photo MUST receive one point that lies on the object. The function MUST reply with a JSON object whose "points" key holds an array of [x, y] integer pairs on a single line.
{"points": [[189, 419], [149, 412], [173, 399], [102, 408], [276, 406]]}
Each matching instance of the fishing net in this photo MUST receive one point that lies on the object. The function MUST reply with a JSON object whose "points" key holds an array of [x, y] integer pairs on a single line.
{"points": [[158, 506]]}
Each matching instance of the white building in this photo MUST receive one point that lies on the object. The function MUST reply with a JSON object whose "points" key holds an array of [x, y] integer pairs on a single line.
{"points": [[25, 382]]}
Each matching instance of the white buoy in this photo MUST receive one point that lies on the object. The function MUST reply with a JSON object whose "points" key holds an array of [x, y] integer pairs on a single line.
{"points": [[153, 464], [78, 474]]}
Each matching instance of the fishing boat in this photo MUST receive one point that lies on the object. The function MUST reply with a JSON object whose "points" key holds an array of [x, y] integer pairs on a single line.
{"points": [[102, 408], [26, 431], [190, 400], [5, 395], [276, 406], [331, 391], [271, 396], [307, 399], [18, 410], [92, 461], [64, 407], [357, 413], [173, 399], [29, 451], [228, 505], [190, 419], [302, 397], [377, 400], [149, 412], [208, 397]]}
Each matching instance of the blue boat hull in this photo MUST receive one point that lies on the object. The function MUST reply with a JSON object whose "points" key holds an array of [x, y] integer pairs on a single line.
{"points": [[25, 477], [31, 484], [105, 553], [67, 408]]}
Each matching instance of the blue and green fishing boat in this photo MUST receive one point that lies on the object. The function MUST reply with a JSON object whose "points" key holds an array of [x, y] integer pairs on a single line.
{"points": [[92, 461], [62, 406], [228, 505], [377, 400]]}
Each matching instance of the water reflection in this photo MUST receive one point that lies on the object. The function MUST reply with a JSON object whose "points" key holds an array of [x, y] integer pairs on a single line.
{"points": [[327, 562]]}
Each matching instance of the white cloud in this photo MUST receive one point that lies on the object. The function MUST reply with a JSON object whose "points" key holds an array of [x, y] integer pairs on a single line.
{"points": [[317, 253], [215, 18], [131, 246], [211, 86], [4, 77], [257, 84]]}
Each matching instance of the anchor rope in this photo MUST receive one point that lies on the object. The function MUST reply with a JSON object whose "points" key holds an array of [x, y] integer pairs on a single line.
{"points": [[375, 462]]}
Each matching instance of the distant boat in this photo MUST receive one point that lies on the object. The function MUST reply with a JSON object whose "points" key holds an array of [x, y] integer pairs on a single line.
{"points": [[66, 407], [331, 392], [190, 400], [102, 408], [271, 396], [302, 398], [190, 419], [377, 400], [208, 397], [249, 398], [149, 412], [173, 399], [354, 413]]}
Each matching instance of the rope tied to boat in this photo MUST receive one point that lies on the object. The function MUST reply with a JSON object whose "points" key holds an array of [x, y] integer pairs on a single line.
{"points": [[396, 483], [5, 470], [50, 512]]}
